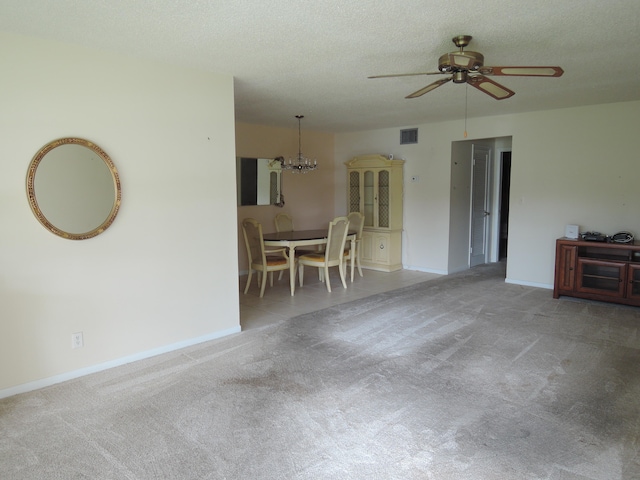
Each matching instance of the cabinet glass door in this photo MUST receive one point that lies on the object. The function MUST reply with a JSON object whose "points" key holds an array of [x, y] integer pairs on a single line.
{"points": [[600, 277], [383, 198], [369, 199], [354, 192]]}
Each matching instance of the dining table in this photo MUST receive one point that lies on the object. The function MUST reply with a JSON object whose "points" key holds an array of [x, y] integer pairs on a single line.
{"points": [[302, 238]]}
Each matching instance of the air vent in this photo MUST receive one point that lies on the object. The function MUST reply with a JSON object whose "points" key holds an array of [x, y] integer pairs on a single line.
{"points": [[409, 135]]}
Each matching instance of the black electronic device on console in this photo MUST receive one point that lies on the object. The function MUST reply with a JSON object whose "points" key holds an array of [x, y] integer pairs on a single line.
{"points": [[594, 237]]}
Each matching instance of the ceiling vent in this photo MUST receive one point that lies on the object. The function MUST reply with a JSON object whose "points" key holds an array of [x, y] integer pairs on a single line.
{"points": [[410, 135]]}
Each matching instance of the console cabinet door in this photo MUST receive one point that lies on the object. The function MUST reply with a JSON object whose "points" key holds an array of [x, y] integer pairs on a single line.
{"points": [[601, 277], [633, 287], [567, 255]]}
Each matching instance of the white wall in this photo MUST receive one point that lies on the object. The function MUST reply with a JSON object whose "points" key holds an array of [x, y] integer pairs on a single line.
{"points": [[577, 165], [159, 277]]}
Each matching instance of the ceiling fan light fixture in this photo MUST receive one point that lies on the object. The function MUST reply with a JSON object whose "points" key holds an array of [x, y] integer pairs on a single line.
{"points": [[460, 76]]}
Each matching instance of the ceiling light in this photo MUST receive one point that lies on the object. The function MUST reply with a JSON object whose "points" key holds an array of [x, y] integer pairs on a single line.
{"points": [[300, 164]]}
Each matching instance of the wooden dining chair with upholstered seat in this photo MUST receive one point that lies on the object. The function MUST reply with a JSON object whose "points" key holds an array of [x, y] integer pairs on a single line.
{"points": [[356, 224], [262, 261], [333, 255]]}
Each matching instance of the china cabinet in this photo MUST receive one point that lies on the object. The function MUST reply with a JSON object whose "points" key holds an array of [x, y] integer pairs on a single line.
{"points": [[374, 188]]}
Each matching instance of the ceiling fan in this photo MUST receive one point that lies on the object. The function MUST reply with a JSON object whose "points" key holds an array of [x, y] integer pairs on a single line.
{"points": [[468, 67]]}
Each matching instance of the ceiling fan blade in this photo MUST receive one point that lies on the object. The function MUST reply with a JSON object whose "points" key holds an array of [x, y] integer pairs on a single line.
{"points": [[405, 74], [428, 88], [523, 71], [490, 87]]}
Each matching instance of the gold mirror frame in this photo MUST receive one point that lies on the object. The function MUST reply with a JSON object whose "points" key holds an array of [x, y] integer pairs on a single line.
{"points": [[31, 190]]}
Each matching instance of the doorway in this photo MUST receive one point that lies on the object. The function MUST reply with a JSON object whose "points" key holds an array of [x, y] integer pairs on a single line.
{"points": [[505, 188], [490, 225]]}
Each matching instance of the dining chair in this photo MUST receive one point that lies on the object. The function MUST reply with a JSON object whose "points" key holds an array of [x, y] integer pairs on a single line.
{"points": [[356, 224], [333, 255], [284, 222], [261, 260]]}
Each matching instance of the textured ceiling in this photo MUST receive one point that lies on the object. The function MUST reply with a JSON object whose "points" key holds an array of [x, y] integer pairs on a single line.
{"points": [[313, 58]]}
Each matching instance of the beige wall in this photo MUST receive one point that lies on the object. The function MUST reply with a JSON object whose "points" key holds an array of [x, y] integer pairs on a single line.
{"points": [[157, 279], [576, 165], [309, 198]]}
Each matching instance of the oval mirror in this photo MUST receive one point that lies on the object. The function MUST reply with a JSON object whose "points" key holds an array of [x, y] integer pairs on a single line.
{"points": [[73, 188]]}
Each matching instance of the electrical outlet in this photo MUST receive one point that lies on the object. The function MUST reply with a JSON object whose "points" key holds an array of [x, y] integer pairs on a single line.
{"points": [[76, 340]]}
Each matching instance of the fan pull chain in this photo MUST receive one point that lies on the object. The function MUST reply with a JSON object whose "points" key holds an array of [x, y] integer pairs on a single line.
{"points": [[466, 91]]}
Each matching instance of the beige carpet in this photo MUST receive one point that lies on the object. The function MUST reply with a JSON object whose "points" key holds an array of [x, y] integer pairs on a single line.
{"points": [[463, 377]]}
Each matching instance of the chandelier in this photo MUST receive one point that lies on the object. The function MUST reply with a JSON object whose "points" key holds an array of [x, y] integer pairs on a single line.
{"points": [[300, 164]]}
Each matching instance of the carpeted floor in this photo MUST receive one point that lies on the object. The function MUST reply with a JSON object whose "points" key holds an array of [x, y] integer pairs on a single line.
{"points": [[462, 377]]}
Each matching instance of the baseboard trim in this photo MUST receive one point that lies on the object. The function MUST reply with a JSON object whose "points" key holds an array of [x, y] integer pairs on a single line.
{"points": [[529, 284], [382, 268], [425, 270], [63, 377]]}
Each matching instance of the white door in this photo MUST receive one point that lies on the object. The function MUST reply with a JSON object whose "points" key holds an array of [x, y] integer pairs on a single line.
{"points": [[479, 205]]}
